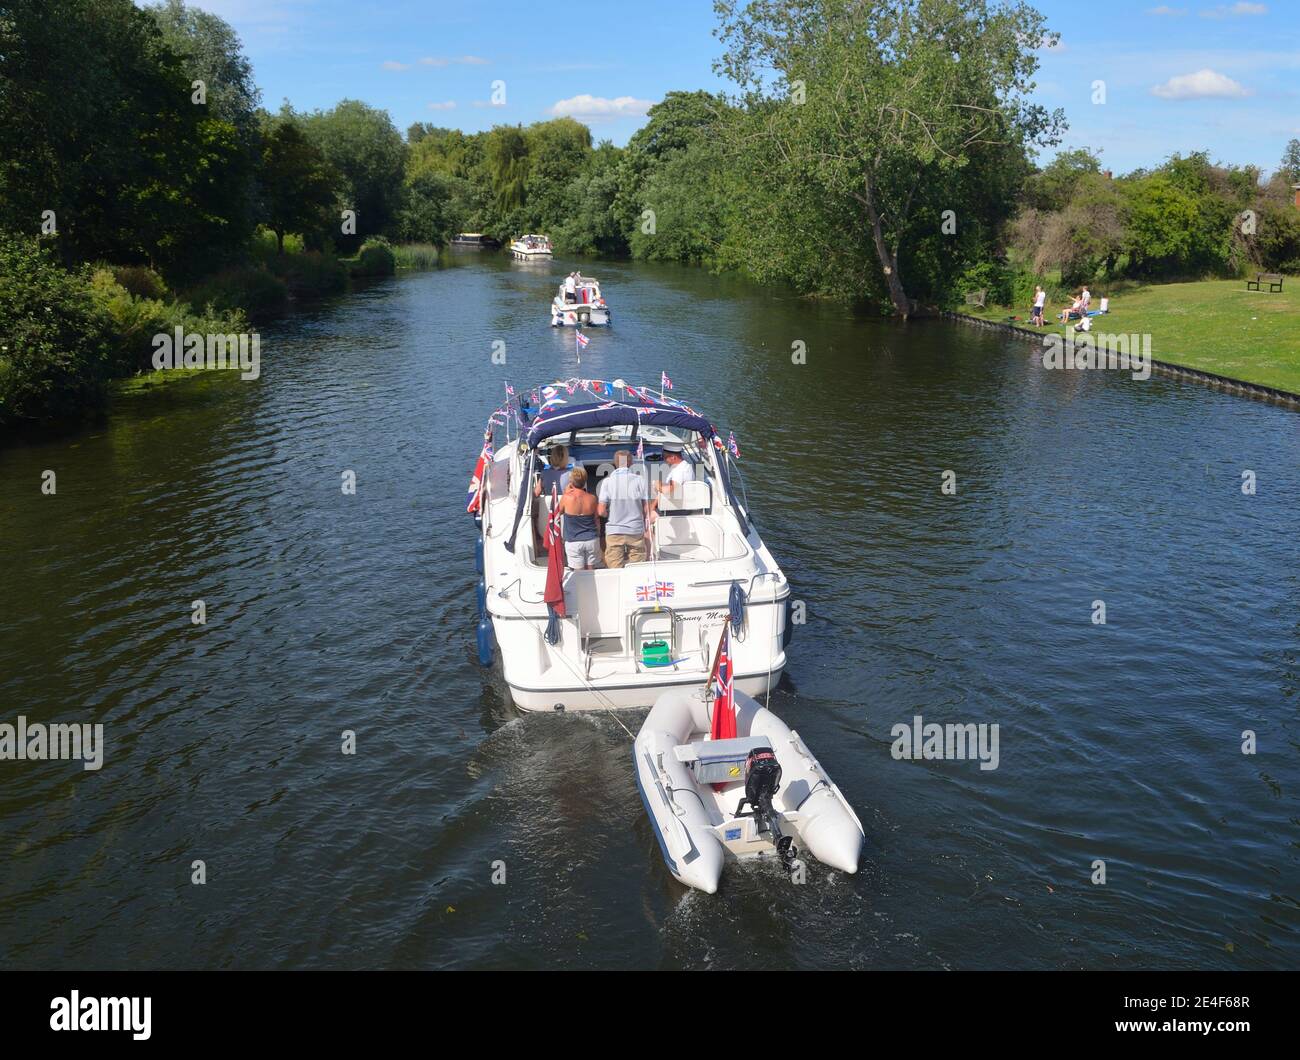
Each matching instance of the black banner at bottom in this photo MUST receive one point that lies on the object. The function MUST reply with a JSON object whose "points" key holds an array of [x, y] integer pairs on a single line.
{"points": [[338, 1009]]}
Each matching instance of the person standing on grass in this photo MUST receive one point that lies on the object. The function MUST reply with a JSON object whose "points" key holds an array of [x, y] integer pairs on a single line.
{"points": [[1040, 299]]}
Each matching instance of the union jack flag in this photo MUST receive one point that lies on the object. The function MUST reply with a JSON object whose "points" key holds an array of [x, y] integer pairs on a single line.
{"points": [[473, 502], [553, 534], [646, 592], [510, 391], [731, 444], [664, 382], [640, 448], [640, 394], [582, 339], [665, 589]]}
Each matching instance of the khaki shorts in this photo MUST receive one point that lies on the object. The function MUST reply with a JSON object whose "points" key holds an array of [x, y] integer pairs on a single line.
{"points": [[624, 548], [582, 553]]}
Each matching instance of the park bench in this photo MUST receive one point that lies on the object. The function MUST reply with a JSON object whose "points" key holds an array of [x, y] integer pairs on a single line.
{"points": [[1273, 279], [976, 298]]}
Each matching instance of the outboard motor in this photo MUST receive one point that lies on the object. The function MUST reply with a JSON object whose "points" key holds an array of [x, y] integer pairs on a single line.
{"points": [[762, 781]]}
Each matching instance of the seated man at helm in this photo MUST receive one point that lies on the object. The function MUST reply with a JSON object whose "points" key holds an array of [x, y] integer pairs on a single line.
{"points": [[625, 505], [679, 473]]}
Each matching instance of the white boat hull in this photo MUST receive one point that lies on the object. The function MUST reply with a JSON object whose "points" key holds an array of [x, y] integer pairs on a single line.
{"points": [[576, 315], [695, 825], [597, 697], [703, 571]]}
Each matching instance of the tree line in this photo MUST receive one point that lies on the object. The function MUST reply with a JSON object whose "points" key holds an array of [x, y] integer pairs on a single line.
{"points": [[875, 151]]}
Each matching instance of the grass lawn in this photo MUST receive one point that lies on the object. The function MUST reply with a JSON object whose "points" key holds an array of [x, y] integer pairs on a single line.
{"points": [[1213, 325]]}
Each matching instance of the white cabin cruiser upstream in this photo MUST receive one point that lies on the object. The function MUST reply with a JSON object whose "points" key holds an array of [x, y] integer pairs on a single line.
{"points": [[622, 636], [754, 791], [531, 248], [580, 305]]}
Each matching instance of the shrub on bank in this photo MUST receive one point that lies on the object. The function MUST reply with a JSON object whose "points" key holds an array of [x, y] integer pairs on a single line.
{"points": [[995, 278], [140, 280], [416, 256], [311, 274], [56, 344], [375, 258], [250, 289], [135, 321]]}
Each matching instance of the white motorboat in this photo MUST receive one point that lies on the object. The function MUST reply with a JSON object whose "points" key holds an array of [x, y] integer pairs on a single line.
{"points": [[759, 794], [582, 306], [626, 633], [531, 248]]}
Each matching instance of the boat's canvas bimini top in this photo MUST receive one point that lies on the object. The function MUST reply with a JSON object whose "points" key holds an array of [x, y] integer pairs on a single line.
{"points": [[580, 404], [596, 403]]}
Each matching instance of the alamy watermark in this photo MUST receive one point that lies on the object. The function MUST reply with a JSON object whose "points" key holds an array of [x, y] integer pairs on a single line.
{"points": [[55, 742], [213, 351], [952, 742], [1129, 353]]}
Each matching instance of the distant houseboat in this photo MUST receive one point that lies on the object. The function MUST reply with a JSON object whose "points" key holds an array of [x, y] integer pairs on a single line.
{"points": [[475, 241]]}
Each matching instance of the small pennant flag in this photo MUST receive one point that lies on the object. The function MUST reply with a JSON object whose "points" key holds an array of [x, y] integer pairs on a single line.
{"points": [[664, 382]]}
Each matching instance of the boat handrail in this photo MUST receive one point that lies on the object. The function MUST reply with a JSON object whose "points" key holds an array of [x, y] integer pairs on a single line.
{"points": [[727, 581]]}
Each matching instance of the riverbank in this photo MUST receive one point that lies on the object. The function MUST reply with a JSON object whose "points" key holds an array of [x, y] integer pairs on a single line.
{"points": [[1213, 327]]}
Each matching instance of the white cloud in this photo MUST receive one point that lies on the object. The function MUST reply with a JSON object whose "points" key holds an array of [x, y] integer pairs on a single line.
{"points": [[463, 60], [1235, 10], [1204, 84], [1165, 9], [449, 105], [392, 64], [597, 108]]}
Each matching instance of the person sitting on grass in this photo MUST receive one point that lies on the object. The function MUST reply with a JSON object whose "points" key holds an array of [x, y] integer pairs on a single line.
{"points": [[1074, 311]]}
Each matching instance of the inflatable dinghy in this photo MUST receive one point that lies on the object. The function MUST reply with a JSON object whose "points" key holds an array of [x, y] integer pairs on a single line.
{"points": [[759, 794]]}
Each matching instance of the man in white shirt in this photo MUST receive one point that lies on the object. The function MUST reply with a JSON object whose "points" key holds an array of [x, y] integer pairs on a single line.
{"points": [[1040, 299], [679, 473]]}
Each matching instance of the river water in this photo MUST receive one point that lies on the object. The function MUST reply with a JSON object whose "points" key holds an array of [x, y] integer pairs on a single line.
{"points": [[1120, 743]]}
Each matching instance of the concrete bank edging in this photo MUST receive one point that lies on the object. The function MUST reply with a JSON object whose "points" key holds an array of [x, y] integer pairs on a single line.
{"points": [[1235, 386]]}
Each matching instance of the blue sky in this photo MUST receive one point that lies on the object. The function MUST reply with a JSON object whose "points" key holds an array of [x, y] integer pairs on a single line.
{"points": [[1179, 76]]}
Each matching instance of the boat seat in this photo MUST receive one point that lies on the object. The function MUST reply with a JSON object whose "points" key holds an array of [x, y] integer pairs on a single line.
{"points": [[696, 499], [720, 761], [737, 745], [689, 537]]}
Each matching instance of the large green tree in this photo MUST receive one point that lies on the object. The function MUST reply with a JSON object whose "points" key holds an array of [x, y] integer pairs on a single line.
{"points": [[360, 142], [97, 126], [884, 103], [299, 188]]}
